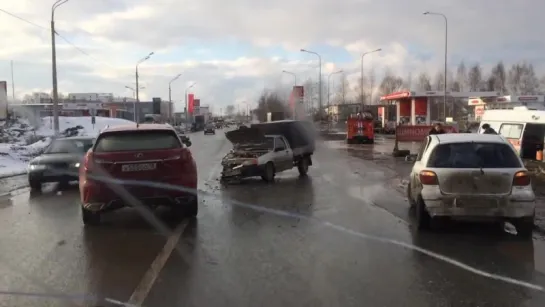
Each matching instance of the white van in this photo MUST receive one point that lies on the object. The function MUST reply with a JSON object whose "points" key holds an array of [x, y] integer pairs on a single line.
{"points": [[523, 127]]}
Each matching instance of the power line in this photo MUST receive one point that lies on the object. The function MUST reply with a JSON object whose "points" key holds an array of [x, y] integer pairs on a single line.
{"points": [[24, 20], [56, 33]]}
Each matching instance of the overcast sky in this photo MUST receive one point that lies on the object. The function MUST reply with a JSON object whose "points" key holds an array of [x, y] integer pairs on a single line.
{"points": [[235, 48]]}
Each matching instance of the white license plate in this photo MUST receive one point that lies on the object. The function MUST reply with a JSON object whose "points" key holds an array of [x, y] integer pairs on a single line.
{"points": [[475, 203], [138, 167]]}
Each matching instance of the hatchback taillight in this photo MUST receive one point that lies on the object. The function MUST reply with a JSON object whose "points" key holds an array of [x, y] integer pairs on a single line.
{"points": [[428, 178], [521, 179]]}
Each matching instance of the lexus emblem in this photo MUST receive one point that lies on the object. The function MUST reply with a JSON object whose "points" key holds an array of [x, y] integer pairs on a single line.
{"points": [[139, 155]]}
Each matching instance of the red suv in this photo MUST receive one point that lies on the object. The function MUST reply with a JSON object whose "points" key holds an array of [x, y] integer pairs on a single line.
{"points": [[146, 164]]}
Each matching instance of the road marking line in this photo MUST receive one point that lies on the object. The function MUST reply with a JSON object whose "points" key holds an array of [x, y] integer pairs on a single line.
{"points": [[148, 280]]}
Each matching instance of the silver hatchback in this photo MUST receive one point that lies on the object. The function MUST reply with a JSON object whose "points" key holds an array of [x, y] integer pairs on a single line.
{"points": [[471, 176]]}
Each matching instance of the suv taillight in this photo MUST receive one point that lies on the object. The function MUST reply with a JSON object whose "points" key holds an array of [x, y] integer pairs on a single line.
{"points": [[181, 156], [87, 163], [521, 179]]}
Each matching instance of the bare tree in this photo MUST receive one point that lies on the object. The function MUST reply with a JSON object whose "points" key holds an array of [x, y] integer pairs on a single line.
{"points": [[358, 90], [475, 78], [269, 101], [230, 110], [541, 85], [497, 80], [371, 84], [530, 83], [390, 83], [424, 82], [522, 79], [408, 81], [342, 90], [439, 81], [462, 77]]}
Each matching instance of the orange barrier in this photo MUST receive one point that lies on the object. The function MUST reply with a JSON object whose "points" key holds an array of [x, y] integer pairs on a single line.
{"points": [[414, 133]]}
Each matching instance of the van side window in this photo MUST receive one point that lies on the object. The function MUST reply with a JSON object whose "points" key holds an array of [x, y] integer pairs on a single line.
{"points": [[511, 131]]}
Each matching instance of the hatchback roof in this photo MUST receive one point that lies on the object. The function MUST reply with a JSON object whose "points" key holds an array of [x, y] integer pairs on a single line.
{"points": [[469, 137]]}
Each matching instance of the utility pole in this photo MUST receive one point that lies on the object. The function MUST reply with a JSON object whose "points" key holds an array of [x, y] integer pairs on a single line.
{"points": [[54, 66], [12, 83]]}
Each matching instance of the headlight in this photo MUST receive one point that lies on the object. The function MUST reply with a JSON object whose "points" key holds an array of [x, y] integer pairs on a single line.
{"points": [[34, 167], [76, 164]]}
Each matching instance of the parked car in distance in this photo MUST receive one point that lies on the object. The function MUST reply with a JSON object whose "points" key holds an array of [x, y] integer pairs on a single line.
{"points": [[471, 176], [145, 159], [59, 162], [210, 129]]}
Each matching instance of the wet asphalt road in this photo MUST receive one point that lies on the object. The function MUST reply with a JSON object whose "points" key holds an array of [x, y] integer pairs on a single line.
{"points": [[340, 237]]}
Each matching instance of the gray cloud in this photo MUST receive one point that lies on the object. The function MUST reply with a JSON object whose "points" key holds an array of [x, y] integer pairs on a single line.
{"points": [[115, 33]]}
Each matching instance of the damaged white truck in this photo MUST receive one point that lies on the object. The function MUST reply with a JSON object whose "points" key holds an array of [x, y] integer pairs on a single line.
{"points": [[266, 149]]}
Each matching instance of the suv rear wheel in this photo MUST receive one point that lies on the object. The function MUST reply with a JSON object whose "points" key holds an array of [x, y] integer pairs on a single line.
{"points": [[189, 210], [90, 217]]}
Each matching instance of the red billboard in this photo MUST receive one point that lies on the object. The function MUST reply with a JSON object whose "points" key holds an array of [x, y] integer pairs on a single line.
{"points": [[421, 106], [190, 103]]}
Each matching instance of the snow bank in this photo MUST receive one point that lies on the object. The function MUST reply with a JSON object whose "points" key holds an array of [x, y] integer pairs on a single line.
{"points": [[15, 153], [88, 129]]}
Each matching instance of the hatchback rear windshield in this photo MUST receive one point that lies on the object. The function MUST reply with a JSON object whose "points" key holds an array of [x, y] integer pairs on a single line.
{"points": [[474, 155], [137, 141]]}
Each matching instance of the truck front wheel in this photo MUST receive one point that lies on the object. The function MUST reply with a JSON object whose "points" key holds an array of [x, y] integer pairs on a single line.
{"points": [[302, 166], [269, 173]]}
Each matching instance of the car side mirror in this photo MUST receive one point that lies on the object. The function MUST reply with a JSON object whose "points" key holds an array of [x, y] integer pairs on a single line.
{"points": [[410, 158], [187, 143]]}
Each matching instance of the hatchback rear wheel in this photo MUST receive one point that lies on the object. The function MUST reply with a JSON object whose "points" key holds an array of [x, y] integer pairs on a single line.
{"points": [[423, 218], [524, 226]]}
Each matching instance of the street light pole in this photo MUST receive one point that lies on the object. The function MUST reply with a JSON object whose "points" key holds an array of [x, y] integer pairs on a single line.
{"points": [[319, 78], [170, 96], [134, 90], [294, 76], [54, 66], [361, 85], [138, 87], [186, 108], [446, 53], [328, 83]]}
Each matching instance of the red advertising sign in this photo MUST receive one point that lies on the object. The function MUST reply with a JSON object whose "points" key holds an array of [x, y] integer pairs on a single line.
{"points": [[406, 133], [190, 101], [297, 94]]}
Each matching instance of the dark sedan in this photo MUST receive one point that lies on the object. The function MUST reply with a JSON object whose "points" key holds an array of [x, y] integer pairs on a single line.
{"points": [[59, 162], [210, 129]]}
